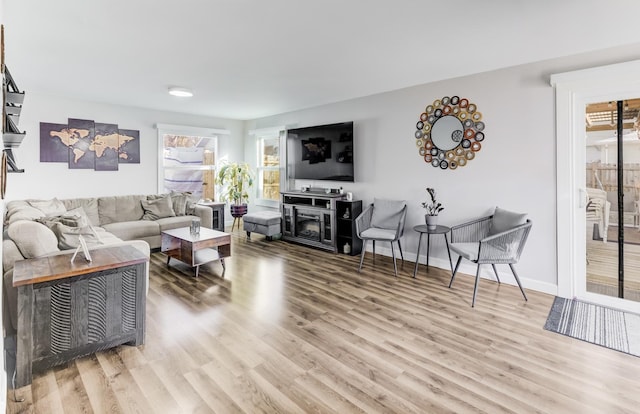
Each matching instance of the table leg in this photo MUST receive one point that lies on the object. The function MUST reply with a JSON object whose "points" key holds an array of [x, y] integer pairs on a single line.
{"points": [[415, 270], [197, 269], [168, 260], [448, 251], [428, 249]]}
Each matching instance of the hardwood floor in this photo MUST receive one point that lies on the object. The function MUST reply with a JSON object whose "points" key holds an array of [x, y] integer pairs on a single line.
{"points": [[602, 269], [291, 329]]}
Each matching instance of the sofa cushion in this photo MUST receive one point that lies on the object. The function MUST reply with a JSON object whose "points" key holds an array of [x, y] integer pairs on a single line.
{"points": [[32, 238], [169, 223], [157, 208], [132, 230], [53, 207], [117, 209], [378, 234], [89, 205], [21, 210]]}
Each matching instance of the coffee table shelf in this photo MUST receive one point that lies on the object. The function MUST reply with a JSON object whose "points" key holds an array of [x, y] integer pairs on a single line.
{"points": [[196, 250]]}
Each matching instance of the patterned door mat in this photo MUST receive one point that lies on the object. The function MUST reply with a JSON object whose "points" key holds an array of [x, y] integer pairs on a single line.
{"points": [[596, 324]]}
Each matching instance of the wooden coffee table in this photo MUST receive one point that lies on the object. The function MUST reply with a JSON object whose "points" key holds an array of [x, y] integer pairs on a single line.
{"points": [[196, 250]]}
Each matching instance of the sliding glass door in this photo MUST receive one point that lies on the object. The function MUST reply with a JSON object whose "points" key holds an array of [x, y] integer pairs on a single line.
{"points": [[613, 199]]}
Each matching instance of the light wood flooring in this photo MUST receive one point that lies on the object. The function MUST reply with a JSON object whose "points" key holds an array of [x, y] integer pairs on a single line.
{"points": [[602, 269], [291, 329]]}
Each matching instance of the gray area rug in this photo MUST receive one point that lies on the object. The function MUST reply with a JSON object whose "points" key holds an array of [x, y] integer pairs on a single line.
{"points": [[596, 324]]}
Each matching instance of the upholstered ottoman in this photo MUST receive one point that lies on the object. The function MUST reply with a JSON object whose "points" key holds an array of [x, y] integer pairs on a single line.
{"points": [[263, 222]]}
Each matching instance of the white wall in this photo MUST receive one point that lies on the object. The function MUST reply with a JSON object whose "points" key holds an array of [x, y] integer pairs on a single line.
{"points": [[514, 170], [3, 383], [46, 180]]}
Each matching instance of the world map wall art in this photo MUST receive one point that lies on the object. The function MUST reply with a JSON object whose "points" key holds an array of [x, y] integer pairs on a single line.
{"points": [[85, 144], [449, 132]]}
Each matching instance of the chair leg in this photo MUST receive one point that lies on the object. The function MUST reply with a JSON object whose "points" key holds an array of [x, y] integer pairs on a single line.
{"points": [[475, 287], [401, 255], [513, 270], [364, 247], [374, 251], [496, 272], [453, 275], [393, 254]]}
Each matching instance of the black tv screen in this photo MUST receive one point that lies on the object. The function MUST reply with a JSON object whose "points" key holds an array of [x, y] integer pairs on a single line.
{"points": [[323, 152]]}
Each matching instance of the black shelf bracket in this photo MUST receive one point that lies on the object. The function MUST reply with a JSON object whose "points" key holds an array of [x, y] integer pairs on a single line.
{"points": [[12, 167]]}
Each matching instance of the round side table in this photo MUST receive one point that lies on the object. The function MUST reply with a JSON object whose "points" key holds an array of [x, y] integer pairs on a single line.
{"points": [[422, 229]]}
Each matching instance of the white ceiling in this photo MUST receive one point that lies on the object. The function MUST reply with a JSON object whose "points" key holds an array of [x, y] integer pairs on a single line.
{"points": [[246, 59]]}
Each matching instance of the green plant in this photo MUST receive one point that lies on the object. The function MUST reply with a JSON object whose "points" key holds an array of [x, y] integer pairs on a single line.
{"points": [[236, 179], [433, 208]]}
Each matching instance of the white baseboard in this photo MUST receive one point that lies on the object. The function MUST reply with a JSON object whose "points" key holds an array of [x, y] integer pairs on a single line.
{"points": [[469, 268]]}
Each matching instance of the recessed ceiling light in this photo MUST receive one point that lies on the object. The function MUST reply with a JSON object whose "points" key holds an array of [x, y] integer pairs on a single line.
{"points": [[182, 92]]}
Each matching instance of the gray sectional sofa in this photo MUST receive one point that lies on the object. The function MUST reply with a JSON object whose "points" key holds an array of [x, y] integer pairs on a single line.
{"points": [[36, 228]]}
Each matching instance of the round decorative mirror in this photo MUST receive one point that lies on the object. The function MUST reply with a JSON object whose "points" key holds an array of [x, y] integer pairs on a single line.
{"points": [[448, 132]]}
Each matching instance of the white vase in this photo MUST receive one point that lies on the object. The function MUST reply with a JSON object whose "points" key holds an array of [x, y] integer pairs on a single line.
{"points": [[432, 221]]}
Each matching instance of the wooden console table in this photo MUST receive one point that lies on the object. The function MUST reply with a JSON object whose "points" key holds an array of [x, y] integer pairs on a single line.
{"points": [[68, 310]]}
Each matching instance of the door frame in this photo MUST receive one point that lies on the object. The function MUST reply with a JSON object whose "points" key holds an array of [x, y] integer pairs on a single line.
{"points": [[574, 90]]}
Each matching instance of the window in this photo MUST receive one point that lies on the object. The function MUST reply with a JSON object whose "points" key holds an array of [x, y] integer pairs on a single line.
{"points": [[188, 158], [268, 166]]}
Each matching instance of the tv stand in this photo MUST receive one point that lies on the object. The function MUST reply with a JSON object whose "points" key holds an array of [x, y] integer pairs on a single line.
{"points": [[309, 218]]}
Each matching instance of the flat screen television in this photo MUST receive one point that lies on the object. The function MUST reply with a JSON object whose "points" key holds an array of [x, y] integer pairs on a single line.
{"points": [[323, 152]]}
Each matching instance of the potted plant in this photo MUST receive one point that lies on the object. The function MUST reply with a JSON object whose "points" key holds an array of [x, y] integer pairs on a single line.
{"points": [[433, 209], [236, 179]]}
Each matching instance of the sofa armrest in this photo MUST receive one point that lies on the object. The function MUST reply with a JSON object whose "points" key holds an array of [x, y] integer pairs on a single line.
{"points": [[206, 215], [10, 304], [10, 253]]}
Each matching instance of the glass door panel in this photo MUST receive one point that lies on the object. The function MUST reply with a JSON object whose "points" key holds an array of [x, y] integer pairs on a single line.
{"points": [[613, 191]]}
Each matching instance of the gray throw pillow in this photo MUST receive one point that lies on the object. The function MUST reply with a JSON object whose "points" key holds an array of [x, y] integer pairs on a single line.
{"points": [[504, 220], [157, 208], [72, 218], [76, 217], [386, 213], [179, 202], [68, 236], [191, 205]]}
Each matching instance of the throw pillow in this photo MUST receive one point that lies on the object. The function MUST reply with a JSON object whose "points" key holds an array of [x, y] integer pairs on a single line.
{"points": [[53, 207], [179, 202], [191, 205], [76, 217], [25, 212], [33, 239], [157, 208], [72, 218], [386, 213], [504, 220], [67, 236]]}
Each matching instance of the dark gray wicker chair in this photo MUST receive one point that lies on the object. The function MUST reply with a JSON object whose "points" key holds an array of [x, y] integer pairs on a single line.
{"points": [[483, 241], [383, 220]]}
